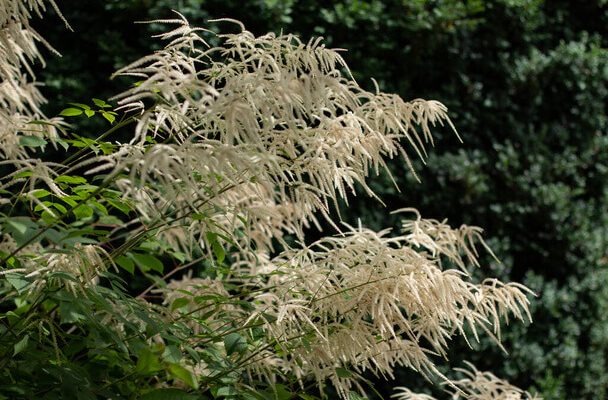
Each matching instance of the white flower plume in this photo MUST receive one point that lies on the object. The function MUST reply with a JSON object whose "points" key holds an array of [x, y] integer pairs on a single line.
{"points": [[261, 133]]}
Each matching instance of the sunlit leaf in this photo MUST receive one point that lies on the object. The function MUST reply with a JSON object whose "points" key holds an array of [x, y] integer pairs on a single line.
{"points": [[70, 112]]}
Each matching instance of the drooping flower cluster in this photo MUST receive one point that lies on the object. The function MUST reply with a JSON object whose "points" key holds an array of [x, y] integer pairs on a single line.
{"points": [[264, 132], [46, 268], [366, 301], [259, 136], [20, 99], [17, 50], [476, 385]]}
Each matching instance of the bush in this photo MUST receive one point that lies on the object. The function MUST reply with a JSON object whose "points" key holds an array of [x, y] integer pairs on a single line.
{"points": [[173, 263]]}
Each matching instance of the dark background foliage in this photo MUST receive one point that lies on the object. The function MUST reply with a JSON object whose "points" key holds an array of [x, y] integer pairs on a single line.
{"points": [[526, 82]]}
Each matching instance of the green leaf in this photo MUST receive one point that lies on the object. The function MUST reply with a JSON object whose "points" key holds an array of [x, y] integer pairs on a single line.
{"points": [[48, 217], [198, 216], [101, 103], [23, 174], [70, 313], [18, 281], [18, 226], [22, 229], [226, 391], [70, 112], [125, 263], [86, 189], [99, 206], [172, 354], [119, 205], [59, 208], [179, 303], [147, 362], [32, 141], [39, 193], [108, 116], [219, 252], [89, 113], [168, 394], [81, 143], [11, 261], [21, 345], [80, 105], [216, 247], [70, 200], [234, 343], [205, 297], [193, 353], [76, 180], [280, 392], [83, 211], [107, 148], [147, 262], [183, 374], [63, 143], [343, 373]]}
